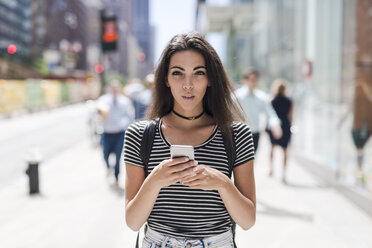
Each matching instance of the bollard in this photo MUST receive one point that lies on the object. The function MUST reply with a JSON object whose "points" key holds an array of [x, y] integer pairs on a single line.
{"points": [[33, 161], [33, 177]]}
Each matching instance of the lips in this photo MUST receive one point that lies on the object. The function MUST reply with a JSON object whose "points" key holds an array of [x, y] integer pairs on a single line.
{"points": [[188, 97]]}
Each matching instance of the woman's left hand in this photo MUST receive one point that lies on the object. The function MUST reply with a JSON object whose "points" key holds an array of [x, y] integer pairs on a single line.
{"points": [[206, 178]]}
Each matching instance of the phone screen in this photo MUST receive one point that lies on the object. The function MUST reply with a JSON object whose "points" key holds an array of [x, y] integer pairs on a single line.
{"points": [[182, 151]]}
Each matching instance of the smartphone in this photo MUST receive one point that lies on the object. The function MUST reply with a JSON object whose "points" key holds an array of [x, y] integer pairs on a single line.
{"points": [[182, 151]]}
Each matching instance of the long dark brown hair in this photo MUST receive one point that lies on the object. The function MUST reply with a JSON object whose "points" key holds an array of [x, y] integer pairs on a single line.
{"points": [[217, 100]]}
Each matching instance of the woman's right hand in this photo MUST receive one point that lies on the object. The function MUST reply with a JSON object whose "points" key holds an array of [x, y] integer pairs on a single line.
{"points": [[172, 170]]}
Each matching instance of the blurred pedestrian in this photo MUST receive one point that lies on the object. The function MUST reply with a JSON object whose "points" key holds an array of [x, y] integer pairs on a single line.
{"points": [[255, 104], [190, 203], [362, 123], [283, 107], [147, 94], [135, 90], [117, 114]]}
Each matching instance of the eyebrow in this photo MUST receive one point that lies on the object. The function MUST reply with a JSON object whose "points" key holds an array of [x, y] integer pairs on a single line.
{"points": [[196, 68], [200, 67], [177, 67]]}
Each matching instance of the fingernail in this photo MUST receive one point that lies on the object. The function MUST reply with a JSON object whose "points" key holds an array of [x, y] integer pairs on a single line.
{"points": [[195, 169], [195, 162]]}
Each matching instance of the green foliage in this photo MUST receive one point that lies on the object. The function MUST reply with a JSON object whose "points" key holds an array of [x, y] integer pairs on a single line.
{"points": [[41, 67]]}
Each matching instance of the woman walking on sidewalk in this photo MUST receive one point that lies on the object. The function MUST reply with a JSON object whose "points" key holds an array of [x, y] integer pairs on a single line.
{"points": [[190, 203], [283, 107]]}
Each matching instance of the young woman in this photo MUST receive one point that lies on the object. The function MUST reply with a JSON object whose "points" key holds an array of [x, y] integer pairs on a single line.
{"points": [[190, 203], [283, 107]]}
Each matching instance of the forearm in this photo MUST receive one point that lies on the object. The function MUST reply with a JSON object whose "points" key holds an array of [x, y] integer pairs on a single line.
{"points": [[139, 208], [241, 209]]}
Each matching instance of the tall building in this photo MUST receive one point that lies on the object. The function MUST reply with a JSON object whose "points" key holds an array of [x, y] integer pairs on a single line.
{"points": [[16, 39], [324, 48], [143, 33], [39, 25], [66, 31], [15, 26]]}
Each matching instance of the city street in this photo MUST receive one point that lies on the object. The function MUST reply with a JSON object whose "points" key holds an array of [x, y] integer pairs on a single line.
{"points": [[78, 207], [301, 70], [51, 132]]}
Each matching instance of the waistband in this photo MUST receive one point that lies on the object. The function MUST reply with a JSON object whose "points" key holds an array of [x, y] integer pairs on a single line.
{"points": [[188, 242]]}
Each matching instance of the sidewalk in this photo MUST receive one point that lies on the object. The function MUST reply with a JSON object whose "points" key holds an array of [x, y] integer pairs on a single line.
{"points": [[304, 213], [78, 208]]}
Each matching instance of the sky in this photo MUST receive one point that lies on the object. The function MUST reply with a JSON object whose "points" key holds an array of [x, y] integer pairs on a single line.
{"points": [[170, 17]]}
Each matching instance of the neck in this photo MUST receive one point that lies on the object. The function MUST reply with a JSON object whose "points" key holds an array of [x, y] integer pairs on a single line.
{"points": [[250, 89], [191, 118]]}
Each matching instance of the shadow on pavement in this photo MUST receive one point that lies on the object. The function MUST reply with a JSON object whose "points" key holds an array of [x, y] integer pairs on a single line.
{"points": [[308, 186], [119, 191], [279, 212]]}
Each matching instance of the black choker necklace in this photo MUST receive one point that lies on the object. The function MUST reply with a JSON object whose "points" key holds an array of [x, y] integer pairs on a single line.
{"points": [[188, 118]]}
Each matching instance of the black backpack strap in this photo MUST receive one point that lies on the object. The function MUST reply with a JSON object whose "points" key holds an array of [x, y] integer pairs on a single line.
{"points": [[230, 150], [146, 146], [231, 156], [147, 141], [137, 241]]}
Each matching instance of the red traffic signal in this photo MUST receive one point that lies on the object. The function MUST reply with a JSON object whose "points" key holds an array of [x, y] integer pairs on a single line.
{"points": [[99, 68], [141, 57], [109, 30], [12, 49]]}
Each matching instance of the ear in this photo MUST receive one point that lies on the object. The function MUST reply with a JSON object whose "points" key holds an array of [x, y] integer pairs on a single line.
{"points": [[167, 84]]}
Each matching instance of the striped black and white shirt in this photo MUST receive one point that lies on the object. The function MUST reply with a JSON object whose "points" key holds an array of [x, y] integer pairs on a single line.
{"points": [[181, 211]]}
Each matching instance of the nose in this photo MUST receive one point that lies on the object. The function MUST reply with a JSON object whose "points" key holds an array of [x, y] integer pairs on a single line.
{"points": [[187, 85]]}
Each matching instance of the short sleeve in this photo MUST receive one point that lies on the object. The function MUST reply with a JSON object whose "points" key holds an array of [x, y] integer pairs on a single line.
{"points": [[132, 144], [244, 148]]}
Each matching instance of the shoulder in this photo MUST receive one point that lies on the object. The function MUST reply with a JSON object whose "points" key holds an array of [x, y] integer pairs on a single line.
{"points": [[240, 128], [277, 99], [285, 100], [104, 98], [137, 128], [244, 147], [260, 94], [240, 92], [124, 99]]}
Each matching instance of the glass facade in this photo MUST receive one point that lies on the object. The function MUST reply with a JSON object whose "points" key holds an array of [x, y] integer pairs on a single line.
{"points": [[312, 44], [324, 101]]}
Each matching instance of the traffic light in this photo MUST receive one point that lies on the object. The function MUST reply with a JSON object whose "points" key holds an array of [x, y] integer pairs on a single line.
{"points": [[141, 57], [99, 68], [109, 30], [12, 49]]}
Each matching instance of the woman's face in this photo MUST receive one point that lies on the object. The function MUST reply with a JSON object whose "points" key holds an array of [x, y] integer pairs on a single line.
{"points": [[188, 81]]}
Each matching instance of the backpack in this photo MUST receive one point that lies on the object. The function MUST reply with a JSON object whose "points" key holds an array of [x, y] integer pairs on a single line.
{"points": [[146, 146]]}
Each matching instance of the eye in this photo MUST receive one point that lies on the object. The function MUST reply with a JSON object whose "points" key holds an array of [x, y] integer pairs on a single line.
{"points": [[200, 73], [176, 73]]}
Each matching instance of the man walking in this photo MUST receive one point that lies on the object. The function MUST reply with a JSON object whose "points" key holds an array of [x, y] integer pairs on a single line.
{"points": [[117, 116], [255, 104]]}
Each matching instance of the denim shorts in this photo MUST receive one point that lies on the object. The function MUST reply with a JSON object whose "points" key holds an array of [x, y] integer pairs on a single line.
{"points": [[155, 239]]}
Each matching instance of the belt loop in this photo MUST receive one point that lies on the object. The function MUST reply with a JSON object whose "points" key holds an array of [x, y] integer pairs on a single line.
{"points": [[164, 242]]}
